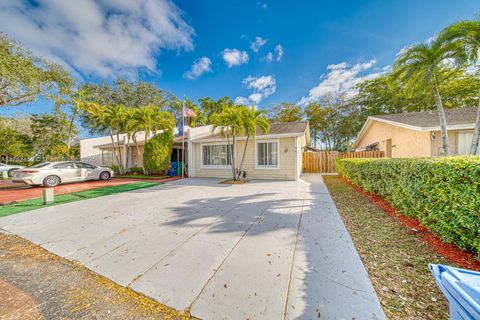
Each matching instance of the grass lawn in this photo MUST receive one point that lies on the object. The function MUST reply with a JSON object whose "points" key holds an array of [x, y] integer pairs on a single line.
{"points": [[396, 260], [37, 203], [141, 176]]}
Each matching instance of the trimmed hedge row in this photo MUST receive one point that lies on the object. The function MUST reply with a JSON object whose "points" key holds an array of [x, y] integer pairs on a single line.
{"points": [[442, 193]]}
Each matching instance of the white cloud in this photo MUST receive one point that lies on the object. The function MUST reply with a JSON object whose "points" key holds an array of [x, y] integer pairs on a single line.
{"points": [[341, 78], [257, 44], [277, 55], [235, 57], [242, 100], [199, 67], [269, 57], [102, 37], [279, 52], [262, 87]]}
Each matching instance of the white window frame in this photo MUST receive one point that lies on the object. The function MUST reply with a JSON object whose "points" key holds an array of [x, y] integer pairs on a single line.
{"points": [[261, 167], [210, 166]]}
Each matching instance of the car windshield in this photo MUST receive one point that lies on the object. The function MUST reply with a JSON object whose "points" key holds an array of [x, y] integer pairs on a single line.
{"points": [[41, 165]]}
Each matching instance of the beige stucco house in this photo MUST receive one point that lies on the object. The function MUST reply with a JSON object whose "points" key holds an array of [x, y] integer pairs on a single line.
{"points": [[273, 155], [417, 134]]}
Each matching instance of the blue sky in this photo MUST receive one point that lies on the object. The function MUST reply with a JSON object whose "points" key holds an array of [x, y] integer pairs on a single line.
{"points": [[260, 52]]}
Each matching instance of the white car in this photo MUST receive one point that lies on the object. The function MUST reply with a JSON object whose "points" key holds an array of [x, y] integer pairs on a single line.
{"points": [[9, 168], [51, 174]]}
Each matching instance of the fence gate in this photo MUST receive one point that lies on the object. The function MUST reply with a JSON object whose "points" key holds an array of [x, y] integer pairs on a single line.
{"points": [[324, 161]]}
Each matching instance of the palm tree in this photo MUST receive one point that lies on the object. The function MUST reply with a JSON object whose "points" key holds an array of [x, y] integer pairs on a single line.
{"points": [[115, 118], [466, 35], [251, 120], [230, 124], [424, 66]]}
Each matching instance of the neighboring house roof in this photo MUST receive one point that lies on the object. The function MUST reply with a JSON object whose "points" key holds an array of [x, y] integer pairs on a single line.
{"points": [[457, 119], [280, 129]]}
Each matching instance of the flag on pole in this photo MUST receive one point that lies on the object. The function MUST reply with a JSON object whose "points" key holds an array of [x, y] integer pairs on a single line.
{"points": [[188, 112]]}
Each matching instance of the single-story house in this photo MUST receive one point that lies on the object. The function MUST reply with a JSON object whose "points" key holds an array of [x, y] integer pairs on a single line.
{"points": [[417, 134], [273, 155]]}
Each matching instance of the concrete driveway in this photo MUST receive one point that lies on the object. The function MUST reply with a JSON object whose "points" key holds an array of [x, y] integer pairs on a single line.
{"points": [[263, 250]]}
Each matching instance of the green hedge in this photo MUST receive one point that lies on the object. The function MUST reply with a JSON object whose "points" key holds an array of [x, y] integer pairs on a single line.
{"points": [[443, 193], [157, 153]]}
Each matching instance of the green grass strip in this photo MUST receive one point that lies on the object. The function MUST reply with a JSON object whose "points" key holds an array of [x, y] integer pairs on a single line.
{"points": [[37, 203]]}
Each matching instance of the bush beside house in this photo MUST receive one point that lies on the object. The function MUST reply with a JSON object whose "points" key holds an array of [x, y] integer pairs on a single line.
{"points": [[157, 153], [442, 193]]}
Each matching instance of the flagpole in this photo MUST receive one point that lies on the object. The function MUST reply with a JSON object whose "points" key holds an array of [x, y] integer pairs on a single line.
{"points": [[183, 138]]}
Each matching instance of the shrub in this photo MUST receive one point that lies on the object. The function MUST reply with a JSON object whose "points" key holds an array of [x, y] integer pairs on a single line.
{"points": [[115, 168], [157, 153], [443, 193]]}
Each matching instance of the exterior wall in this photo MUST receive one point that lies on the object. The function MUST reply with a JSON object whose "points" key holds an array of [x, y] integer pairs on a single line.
{"points": [[406, 143], [136, 159], [452, 142], [286, 171], [90, 154]]}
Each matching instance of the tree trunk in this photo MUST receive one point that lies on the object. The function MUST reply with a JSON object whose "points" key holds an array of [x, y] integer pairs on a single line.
{"points": [[122, 168], [114, 149], [234, 146], [138, 151], [476, 134], [70, 128], [443, 121], [243, 158], [127, 153]]}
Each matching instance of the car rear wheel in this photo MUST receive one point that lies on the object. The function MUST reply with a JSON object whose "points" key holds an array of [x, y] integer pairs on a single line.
{"points": [[10, 172], [105, 175], [51, 181]]}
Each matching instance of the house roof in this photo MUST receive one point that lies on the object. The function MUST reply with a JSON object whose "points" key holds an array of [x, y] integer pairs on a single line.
{"points": [[457, 119], [429, 119], [176, 139], [285, 129]]}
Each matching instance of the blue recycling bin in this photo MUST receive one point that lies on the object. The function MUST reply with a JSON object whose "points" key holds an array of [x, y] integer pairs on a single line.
{"points": [[173, 168], [461, 287]]}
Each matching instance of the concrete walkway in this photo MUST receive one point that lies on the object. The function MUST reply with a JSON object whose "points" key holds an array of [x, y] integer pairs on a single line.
{"points": [[264, 250]]}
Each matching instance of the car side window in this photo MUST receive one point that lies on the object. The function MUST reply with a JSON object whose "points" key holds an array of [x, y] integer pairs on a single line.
{"points": [[67, 165], [85, 165]]}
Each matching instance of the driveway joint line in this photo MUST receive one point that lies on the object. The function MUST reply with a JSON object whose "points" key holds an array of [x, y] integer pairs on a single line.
{"points": [[229, 253], [180, 245], [293, 259]]}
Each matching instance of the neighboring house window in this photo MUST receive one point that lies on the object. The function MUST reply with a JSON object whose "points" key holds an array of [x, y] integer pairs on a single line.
{"points": [[216, 155], [464, 143], [267, 154], [107, 158]]}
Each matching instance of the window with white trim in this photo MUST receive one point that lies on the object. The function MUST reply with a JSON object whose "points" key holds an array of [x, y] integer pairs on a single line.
{"points": [[267, 154], [216, 155]]}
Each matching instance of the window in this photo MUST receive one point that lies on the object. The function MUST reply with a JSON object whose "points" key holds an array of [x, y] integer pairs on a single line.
{"points": [[64, 165], [84, 165], [216, 155], [107, 158], [464, 143], [267, 154]]}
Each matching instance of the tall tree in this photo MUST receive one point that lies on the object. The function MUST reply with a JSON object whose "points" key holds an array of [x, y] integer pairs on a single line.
{"points": [[230, 124], [49, 135], [423, 66], [286, 112], [252, 120], [24, 77], [466, 35]]}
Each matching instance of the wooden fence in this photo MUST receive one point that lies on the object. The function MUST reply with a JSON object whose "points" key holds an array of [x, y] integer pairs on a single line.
{"points": [[324, 161]]}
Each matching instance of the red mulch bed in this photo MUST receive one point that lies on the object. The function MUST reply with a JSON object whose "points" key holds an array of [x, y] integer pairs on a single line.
{"points": [[448, 250]]}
